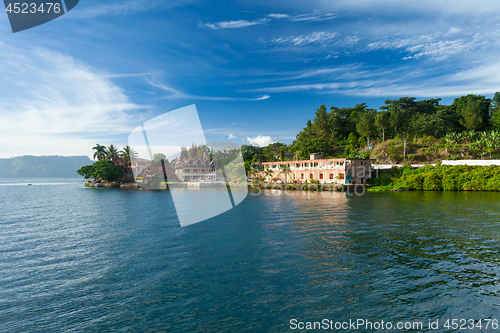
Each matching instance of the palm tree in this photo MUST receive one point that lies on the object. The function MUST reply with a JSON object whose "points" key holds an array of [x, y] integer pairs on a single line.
{"points": [[126, 154], [100, 152], [112, 153], [285, 168], [268, 172]]}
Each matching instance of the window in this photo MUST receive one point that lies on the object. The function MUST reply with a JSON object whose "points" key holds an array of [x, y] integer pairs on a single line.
{"points": [[301, 176], [320, 176], [331, 176], [341, 175], [311, 176]]}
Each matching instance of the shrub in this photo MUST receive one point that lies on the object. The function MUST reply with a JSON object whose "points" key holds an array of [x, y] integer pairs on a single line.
{"points": [[380, 188], [104, 169]]}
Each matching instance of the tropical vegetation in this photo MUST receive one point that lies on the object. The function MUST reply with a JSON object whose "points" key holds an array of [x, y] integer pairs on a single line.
{"points": [[402, 130], [110, 163], [103, 169], [439, 178]]}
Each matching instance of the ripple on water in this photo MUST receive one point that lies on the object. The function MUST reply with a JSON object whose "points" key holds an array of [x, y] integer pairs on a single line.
{"points": [[79, 259]]}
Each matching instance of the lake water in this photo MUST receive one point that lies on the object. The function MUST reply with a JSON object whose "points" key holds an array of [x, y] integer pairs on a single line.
{"points": [[75, 259]]}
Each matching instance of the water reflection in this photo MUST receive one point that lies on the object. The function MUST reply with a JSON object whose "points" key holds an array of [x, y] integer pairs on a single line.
{"points": [[100, 260]]}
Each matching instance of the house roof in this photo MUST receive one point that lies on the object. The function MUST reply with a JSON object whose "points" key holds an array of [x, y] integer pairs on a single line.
{"points": [[156, 170], [141, 160], [200, 163], [316, 161]]}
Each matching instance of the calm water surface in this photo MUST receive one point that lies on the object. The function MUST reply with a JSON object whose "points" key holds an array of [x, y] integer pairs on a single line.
{"points": [[74, 259]]}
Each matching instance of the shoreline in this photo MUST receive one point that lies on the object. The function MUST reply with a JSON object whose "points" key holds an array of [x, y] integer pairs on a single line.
{"points": [[162, 186]]}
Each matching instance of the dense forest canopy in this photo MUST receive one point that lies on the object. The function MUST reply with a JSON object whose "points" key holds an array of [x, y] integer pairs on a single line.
{"points": [[356, 131], [351, 128]]}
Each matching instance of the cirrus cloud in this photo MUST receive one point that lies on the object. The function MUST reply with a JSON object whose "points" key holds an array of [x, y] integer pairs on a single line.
{"points": [[54, 104]]}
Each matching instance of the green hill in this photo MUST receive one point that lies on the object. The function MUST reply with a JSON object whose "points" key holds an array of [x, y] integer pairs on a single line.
{"points": [[42, 166]]}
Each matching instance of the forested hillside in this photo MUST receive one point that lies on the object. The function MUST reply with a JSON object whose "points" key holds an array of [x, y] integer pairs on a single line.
{"points": [[358, 128], [468, 128]]}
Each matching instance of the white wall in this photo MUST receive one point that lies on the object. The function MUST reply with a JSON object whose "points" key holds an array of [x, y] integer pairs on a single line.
{"points": [[472, 162]]}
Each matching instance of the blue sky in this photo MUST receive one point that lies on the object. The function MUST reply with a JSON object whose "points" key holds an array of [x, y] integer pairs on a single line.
{"points": [[254, 69]]}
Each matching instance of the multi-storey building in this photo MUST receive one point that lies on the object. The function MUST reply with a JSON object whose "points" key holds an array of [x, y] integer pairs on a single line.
{"points": [[186, 171], [195, 170], [332, 170]]}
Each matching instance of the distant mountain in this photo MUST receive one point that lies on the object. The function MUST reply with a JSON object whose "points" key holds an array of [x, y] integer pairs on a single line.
{"points": [[42, 166]]}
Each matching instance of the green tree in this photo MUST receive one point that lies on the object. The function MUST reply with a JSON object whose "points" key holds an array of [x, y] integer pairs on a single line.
{"points": [[448, 114], [366, 125], [112, 153], [403, 110], [100, 152], [285, 168], [198, 151], [273, 149], [352, 140], [184, 154], [103, 169], [350, 150], [407, 106], [86, 171], [427, 124], [495, 111], [126, 154], [322, 131], [269, 173], [340, 122], [252, 153], [473, 111], [396, 120], [160, 160], [382, 122], [305, 142]]}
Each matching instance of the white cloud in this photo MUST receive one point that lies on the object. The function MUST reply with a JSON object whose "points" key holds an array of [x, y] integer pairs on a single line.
{"points": [[239, 24], [435, 46], [175, 94], [439, 50], [233, 24], [315, 37], [316, 16], [260, 140], [278, 16], [54, 104], [231, 136], [122, 7], [444, 8], [406, 81]]}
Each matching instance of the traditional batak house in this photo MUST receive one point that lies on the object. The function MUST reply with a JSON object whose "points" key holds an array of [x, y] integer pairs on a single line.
{"points": [[195, 170], [153, 172], [332, 170], [139, 165]]}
